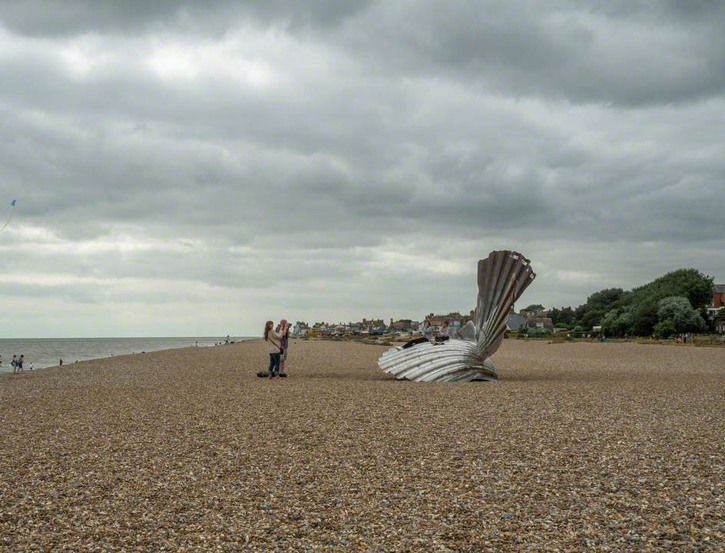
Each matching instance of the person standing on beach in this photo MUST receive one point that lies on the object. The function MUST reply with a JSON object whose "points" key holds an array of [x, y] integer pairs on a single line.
{"points": [[20, 363], [426, 330], [445, 333], [274, 347], [14, 364], [283, 329]]}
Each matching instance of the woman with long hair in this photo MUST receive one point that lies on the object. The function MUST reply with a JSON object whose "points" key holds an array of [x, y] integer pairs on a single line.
{"points": [[274, 347], [446, 333]]}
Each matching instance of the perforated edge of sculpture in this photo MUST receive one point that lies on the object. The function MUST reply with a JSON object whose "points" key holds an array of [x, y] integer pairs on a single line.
{"points": [[502, 278]]}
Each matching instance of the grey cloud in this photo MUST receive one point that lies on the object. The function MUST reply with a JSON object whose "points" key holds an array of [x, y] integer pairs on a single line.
{"points": [[394, 145], [566, 51], [69, 17], [73, 293], [629, 54]]}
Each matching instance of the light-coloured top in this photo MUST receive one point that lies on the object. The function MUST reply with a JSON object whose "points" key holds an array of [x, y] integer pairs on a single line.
{"points": [[427, 332], [451, 332], [274, 341]]}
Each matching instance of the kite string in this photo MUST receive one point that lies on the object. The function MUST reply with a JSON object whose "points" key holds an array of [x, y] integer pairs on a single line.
{"points": [[12, 211]]}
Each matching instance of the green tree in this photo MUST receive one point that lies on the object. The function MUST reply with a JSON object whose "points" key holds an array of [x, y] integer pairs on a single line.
{"points": [[665, 329], [605, 299], [598, 305], [555, 315], [564, 316], [616, 322], [644, 318], [689, 283], [534, 307], [608, 322], [680, 312]]}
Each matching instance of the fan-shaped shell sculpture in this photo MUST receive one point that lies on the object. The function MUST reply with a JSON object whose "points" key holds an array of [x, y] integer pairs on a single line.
{"points": [[502, 278]]}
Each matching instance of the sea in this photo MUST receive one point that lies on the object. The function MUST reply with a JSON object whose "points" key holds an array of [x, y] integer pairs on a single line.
{"points": [[47, 352]]}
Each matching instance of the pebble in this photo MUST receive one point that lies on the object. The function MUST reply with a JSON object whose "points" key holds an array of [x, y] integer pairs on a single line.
{"points": [[578, 447]]}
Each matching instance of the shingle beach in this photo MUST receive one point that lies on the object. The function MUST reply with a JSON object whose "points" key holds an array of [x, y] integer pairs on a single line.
{"points": [[579, 446]]}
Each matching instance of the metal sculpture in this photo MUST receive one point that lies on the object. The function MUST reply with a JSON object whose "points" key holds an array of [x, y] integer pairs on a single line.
{"points": [[502, 278]]}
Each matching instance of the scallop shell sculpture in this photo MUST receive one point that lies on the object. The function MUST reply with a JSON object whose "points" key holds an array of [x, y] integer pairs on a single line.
{"points": [[502, 278]]}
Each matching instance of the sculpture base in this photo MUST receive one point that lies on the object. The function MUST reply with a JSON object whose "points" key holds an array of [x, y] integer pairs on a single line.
{"points": [[451, 361]]}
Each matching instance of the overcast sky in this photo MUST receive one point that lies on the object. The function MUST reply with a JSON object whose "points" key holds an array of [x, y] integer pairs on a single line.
{"points": [[182, 169]]}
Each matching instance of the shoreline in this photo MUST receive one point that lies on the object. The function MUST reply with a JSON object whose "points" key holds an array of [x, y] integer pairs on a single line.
{"points": [[4, 372]]}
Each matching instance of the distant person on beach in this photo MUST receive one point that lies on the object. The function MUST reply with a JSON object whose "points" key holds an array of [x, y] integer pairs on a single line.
{"points": [[283, 329], [14, 364], [61, 363], [445, 333], [20, 363], [452, 332], [274, 347], [427, 332]]}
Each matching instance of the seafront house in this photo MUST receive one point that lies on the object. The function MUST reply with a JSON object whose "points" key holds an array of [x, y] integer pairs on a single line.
{"points": [[540, 323], [403, 325], [455, 319], [717, 307], [718, 297], [529, 313], [516, 322], [371, 324]]}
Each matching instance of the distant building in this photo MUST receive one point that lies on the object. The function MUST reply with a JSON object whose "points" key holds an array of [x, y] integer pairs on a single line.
{"points": [[516, 322], [531, 313], [720, 325], [455, 319], [322, 328], [403, 325], [718, 303], [718, 297], [542, 323], [371, 324]]}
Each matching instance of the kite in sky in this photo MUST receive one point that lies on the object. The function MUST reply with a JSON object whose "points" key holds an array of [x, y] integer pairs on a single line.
{"points": [[12, 210]]}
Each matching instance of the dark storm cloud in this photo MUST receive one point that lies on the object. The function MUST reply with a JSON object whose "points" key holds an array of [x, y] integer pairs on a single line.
{"points": [[626, 53], [561, 50], [68, 17]]}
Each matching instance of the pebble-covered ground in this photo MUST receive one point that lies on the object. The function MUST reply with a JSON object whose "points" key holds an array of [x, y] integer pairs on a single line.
{"points": [[606, 447]]}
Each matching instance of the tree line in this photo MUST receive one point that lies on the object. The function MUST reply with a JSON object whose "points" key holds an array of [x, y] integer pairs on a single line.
{"points": [[671, 304]]}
